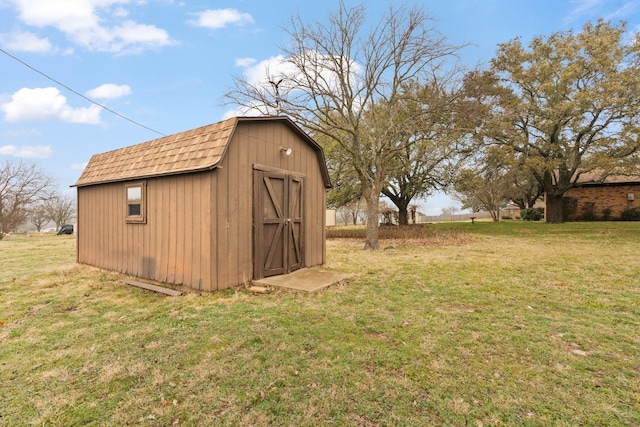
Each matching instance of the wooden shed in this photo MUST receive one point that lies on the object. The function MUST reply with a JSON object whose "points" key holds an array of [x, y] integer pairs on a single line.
{"points": [[209, 208]]}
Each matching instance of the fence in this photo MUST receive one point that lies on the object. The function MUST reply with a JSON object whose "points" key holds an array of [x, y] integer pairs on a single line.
{"points": [[424, 219], [457, 217]]}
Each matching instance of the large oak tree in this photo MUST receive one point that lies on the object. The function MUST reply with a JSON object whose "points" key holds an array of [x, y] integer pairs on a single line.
{"points": [[436, 143], [573, 105]]}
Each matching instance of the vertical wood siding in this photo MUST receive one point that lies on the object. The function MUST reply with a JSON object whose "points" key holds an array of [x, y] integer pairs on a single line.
{"points": [[171, 247], [199, 229], [261, 143]]}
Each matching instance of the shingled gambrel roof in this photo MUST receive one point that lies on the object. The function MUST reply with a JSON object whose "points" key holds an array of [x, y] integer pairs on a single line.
{"points": [[190, 151]]}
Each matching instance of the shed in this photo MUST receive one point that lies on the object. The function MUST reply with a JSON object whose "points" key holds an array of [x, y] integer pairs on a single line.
{"points": [[209, 208]]}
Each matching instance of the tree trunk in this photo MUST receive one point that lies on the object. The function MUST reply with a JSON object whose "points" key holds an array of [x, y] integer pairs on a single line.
{"points": [[403, 215], [553, 209], [373, 198], [402, 203]]}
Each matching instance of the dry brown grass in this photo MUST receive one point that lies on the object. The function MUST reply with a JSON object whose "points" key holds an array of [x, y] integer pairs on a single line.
{"points": [[423, 235]]}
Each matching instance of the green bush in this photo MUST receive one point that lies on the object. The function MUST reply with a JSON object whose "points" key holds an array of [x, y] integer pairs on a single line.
{"points": [[606, 214], [532, 214], [630, 214]]}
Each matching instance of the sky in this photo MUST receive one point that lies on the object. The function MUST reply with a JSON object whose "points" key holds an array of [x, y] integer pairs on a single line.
{"points": [[163, 66]]}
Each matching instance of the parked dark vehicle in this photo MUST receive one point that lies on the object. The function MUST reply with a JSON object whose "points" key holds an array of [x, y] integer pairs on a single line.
{"points": [[66, 229]]}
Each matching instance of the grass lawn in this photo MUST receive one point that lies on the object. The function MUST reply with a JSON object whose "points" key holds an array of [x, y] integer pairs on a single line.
{"points": [[488, 324]]}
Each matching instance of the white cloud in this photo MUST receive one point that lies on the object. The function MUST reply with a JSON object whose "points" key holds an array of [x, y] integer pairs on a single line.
{"points": [[25, 42], [245, 62], [109, 91], [26, 151], [626, 9], [121, 12], [78, 166], [20, 133], [259, 72], [277, 67], [131, 37], [246, 111], [582, 9], [42, 104], [94, 24], [220, 18]]}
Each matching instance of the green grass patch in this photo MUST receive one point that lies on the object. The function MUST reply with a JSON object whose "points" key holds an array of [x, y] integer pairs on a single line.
{"points": [[521, 324]]}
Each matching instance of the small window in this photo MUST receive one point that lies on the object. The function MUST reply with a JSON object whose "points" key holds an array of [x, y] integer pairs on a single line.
{"points": [[136, 194]]}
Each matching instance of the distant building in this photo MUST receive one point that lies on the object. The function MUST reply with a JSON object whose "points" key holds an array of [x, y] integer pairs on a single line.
{"points": [[597, 198]]}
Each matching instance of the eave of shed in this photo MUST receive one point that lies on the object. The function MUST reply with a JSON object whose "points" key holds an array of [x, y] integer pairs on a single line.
{"points": [[194, 150]]}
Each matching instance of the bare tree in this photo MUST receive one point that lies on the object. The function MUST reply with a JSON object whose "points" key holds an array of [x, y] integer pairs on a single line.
{"points": [[485, 184], [439, 141], [59, 209], [21, 185], [345, 191], [334, 74], [350, 212], [38, 216], [449, 210], [413, 210]]}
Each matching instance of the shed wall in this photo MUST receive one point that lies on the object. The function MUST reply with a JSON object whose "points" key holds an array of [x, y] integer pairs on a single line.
{"points": [[173, 246], [259, 144]]}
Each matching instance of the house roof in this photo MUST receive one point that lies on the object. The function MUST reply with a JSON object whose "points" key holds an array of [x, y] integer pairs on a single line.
{"points": [[600, 178], [190, 151]]}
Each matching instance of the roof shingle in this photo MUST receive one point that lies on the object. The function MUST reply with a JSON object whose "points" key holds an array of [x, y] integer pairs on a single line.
{"points": [[189, 151], [600, 177]]}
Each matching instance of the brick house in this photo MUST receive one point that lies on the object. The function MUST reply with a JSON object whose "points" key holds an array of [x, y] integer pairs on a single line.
{"points": [[595, 198]]}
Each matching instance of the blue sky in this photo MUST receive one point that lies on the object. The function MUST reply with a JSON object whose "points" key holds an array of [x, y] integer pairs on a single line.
{"points": [[166, 64]]}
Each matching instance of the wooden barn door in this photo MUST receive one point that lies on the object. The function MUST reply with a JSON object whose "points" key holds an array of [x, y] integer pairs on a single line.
{"points": [[278, 237], [294, 234]]}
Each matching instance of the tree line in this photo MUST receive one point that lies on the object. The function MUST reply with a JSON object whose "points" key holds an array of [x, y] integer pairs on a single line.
{"points": [[27, 194], [397, 115]]}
